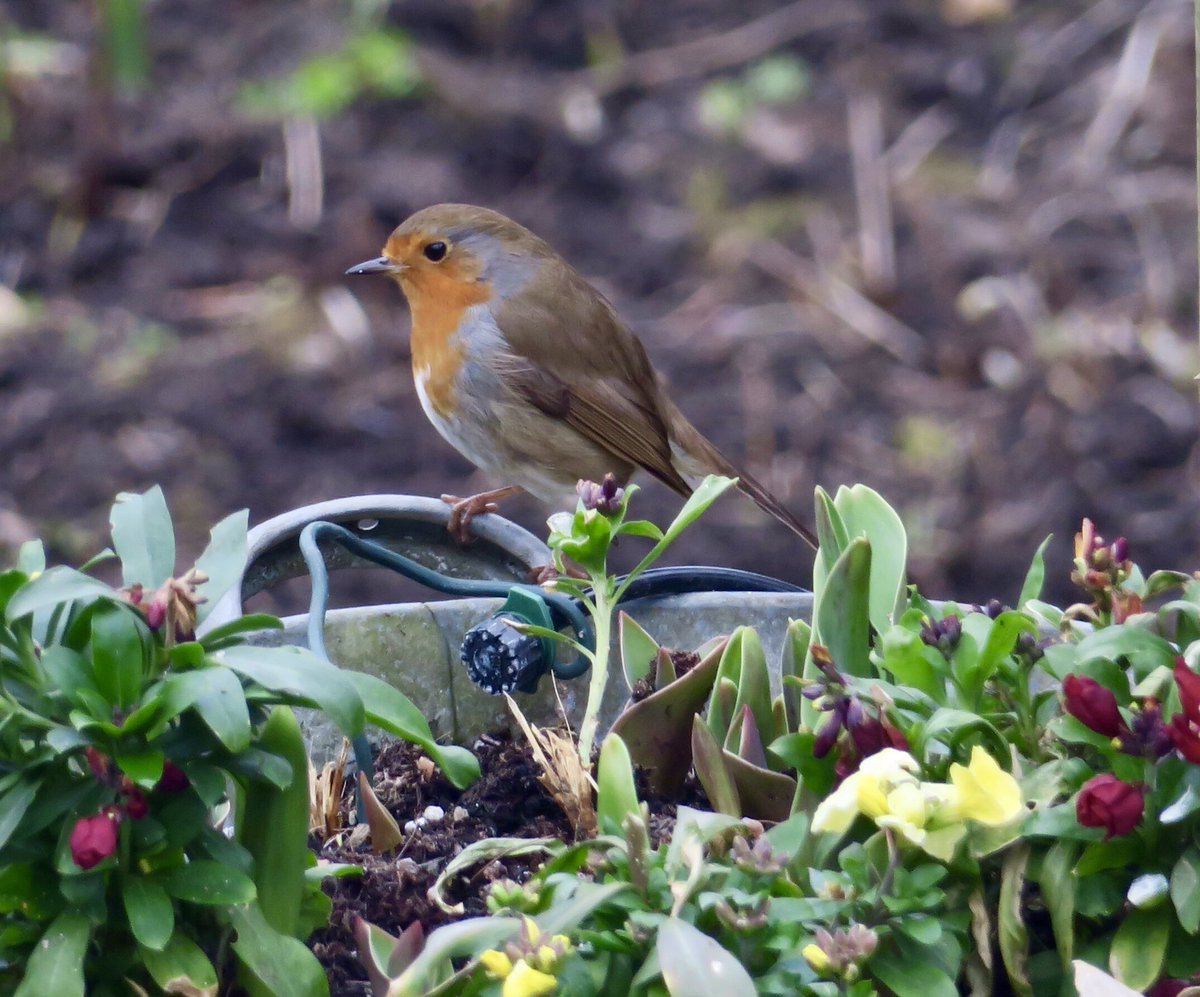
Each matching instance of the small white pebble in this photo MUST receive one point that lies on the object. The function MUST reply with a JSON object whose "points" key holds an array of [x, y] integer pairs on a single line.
{"points": [[410, 826], [434, 814], [459, 813]]}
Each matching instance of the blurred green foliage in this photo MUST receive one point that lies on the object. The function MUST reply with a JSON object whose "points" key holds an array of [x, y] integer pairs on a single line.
{"points": [[375, 62], [725, 103]]}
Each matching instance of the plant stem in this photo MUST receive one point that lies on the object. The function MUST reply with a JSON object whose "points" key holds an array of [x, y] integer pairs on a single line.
{"points": [[885, 884], [602, 620]]}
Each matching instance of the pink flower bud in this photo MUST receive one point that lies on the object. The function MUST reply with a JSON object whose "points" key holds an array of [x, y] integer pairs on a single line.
{"points": [[94, 838], [1107, 802]]}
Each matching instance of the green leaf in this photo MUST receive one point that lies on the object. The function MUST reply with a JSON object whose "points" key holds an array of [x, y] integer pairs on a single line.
{"points": [[468, 937], [566, 916], [1143, 650], [118, 656], [616, 792], [658, 729], [866, 514], [843, 622], [1140, 946], [13, 805], [1031, 588], [485, 851], [914, 663], [205, 882], [56, 964], [795, 650], [1185, 890], [145, 768], [709, 762], [144, 538], [1001, 639], [695, 965], [920, 928], [58, 586], [911, 978], [223, 560], [639, 650], [640, 528], [389, 709], [279, 963], [753, 683], [217, 696], [950, 726], [1014, 937], [1057, 882], [181, 967], [831, 535], [706, 493], [299, 672], [150, 911], [70, 672], [218, 637]]}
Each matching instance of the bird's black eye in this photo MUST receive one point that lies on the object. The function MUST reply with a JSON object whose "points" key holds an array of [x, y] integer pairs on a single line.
{"points": [[435, 252]]}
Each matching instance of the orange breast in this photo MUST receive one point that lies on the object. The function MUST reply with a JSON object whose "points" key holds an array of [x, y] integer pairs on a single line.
{"points": [[439, 303]]}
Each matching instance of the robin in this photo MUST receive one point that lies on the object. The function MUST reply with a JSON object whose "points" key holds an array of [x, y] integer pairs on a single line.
{"points": [[528, 371]]}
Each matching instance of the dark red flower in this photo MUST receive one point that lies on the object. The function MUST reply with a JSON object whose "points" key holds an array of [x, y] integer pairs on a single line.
{"points": [[1185, 726], [1189, 690], [94, 838], [874, 734], [136, 807], [1168, 988], [1107, 802], [173, 779], [100, 764], [1093, 705]]}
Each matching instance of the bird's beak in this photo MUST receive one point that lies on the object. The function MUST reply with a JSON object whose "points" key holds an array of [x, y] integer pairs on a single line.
{"points": [[381, 264]]}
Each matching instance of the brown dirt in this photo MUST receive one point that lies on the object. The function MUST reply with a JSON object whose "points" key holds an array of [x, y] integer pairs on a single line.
{"points": [[1027, 361], [507, 801]]}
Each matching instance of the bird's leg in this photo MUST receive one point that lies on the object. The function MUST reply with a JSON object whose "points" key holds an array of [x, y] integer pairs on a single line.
{"points": [[463, 510]]}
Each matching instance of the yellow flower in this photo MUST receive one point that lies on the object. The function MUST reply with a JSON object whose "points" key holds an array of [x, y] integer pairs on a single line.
{"points": [[986, 793], [886, 789], [544, 958], [525, 981], [496, 964], [890, 765], [816, 957], [871, 797], [837, 811], [866, 790]]}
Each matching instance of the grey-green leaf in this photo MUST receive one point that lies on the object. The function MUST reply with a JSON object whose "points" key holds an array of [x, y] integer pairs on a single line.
{"points": [[223, 559], [144, 537], [280, 963], [695, 965], [299, 672]]}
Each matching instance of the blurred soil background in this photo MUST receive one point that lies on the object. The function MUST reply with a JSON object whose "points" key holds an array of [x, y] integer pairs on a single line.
{"points": [[943, 247]]}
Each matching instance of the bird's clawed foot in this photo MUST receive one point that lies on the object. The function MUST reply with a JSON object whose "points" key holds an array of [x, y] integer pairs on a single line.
{"points": [[463, 510]]}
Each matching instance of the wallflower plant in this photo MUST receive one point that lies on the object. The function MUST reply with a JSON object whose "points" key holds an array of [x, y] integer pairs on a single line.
{"points": [[128, 746]]}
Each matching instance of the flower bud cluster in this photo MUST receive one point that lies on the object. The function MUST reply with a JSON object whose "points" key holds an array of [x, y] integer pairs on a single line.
{"points": [[840, 954], [1102, 569], [528, 964]]}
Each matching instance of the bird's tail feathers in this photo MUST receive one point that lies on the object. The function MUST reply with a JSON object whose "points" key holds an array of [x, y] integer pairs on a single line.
{"points": [[694, 455]]}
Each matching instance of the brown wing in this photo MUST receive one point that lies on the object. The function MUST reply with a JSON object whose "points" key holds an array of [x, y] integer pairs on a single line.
{"points": [[575, 360]]}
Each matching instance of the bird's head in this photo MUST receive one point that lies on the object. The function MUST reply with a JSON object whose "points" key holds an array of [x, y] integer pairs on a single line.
{"points": [[446, 249]]}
